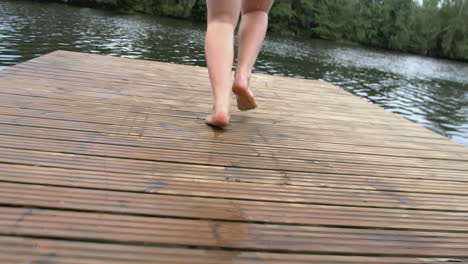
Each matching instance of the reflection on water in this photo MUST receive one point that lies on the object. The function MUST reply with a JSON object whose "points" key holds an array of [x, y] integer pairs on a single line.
{"points": [[431, 92]]}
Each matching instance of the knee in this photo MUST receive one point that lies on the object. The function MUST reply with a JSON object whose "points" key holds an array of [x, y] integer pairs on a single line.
{"points": [[223, 18], [259, 13]]}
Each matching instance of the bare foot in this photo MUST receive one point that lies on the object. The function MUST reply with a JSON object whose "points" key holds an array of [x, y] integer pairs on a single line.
{"points": [[245, 97], [218, 119]]}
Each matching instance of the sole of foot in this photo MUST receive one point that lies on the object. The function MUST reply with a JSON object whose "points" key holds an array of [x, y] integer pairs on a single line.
{"points": [[245, 98]]}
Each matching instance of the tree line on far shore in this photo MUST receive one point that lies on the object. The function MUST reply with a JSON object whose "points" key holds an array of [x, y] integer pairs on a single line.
{"points": [[435, 28]]}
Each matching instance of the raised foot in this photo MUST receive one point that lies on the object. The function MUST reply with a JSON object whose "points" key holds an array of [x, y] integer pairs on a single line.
{"points": [[245, 98], [218, 119]]}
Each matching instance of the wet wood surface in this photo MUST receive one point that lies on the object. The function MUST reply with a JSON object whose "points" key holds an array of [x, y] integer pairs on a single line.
{"points": [[107, 160]]}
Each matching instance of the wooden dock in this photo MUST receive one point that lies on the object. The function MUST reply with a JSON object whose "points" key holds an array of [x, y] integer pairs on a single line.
{"points": [[107, 160]]}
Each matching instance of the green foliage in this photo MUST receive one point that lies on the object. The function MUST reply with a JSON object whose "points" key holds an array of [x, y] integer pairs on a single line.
{"points": [[112, 4], [199, 11], [173, 8], [436, 28], [453, 36], [282, 17]]}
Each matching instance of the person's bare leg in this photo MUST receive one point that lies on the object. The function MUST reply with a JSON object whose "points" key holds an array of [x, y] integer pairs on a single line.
{"points": [[219, 50], [251, 34]]}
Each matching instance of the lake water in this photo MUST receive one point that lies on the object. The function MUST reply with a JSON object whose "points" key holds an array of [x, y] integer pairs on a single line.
{"points": [[432, 92]]}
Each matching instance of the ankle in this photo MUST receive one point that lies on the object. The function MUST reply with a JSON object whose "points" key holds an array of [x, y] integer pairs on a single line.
{"points": [[242, 82], [221, 109], [243, 74]]}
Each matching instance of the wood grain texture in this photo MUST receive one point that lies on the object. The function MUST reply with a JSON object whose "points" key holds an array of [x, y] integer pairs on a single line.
{"points": [[107, 160]]}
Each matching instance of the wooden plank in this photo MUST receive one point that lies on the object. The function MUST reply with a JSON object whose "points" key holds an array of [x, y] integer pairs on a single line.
{"points": [[232, 190], [32, 250], [412, 184], [215, 234], [323, 146], [147, 155], [284, 176], [96, 140], [157, 205], [109, 112], [136, 125], [279, 178]]}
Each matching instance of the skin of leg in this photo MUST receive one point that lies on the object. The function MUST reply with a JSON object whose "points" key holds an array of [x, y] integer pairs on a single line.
{"points": [[219, 51], [251, 34]]}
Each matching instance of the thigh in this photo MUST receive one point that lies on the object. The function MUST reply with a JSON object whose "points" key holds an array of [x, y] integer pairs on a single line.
{"points": [[223, 10], [256, 5]]}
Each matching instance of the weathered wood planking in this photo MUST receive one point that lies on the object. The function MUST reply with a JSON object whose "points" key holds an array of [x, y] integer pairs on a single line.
{"points": [[107, 160]]}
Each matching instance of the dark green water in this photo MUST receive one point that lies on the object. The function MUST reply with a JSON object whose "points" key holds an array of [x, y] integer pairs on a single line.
{"points": [[431, 92]]}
